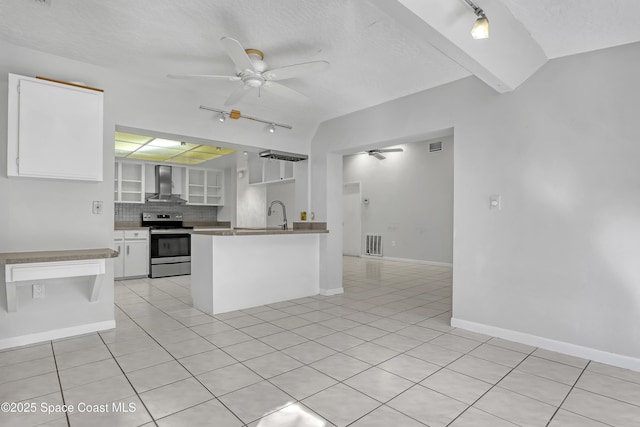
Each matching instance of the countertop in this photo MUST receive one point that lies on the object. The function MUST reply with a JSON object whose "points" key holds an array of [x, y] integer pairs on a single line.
{"points": [[197, 225], [257, 232], [207, 224], [126, 227], [52, 256]]}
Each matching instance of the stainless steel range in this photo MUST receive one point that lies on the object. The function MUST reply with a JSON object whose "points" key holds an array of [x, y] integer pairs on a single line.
{"points": [[170, 247]]}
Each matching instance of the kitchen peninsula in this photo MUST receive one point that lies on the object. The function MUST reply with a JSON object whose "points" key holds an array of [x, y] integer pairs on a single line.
{"points": [[243, 268]]}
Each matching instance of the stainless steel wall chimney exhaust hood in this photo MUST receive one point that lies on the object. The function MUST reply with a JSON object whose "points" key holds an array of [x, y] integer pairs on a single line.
{"points": [[163, 187], [281, 155]]}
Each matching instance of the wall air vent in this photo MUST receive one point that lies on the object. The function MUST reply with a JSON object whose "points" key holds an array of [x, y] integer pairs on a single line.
{"points": [[281, 155], [373, 244], [435, 146]]}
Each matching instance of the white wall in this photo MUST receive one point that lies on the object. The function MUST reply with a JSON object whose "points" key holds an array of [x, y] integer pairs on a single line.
{"points": [[228, 212], [43, 214], [557, 266], [285, 192], [410, 200], [251, 200]]}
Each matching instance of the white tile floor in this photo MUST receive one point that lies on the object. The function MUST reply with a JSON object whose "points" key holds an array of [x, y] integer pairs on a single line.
{"points": [[381, 354]]}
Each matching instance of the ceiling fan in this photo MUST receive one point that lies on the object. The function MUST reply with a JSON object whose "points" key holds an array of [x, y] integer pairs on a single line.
{"points": [[254, 73], [377, 153]]}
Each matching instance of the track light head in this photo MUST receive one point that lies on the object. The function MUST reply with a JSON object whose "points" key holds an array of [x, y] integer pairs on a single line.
{"points": [[222, 117], [480, 29], [271, 128]]}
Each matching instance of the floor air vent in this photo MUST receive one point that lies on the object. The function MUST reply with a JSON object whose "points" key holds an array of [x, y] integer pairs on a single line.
{"points": [[435, 146], [374, 244]]}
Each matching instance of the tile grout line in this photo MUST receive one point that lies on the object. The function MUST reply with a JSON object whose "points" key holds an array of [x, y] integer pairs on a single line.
{"points": [[491, 388], [128, 381], [568, 393], [178, 361], [55, 361]]}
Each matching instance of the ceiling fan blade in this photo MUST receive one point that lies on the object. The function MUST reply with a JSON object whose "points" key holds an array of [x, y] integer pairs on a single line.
{"points": [[390, 150], [237, 95], [378, 156], [284, 91], [296, 70], [237, 54], [203, 77]]}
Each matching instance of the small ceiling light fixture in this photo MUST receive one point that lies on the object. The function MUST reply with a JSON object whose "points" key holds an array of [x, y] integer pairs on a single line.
{"points": [[480, 28], [222, 117], [235, 114]]}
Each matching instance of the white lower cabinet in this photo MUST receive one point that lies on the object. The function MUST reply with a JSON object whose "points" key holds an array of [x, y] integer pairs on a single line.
{"points": [[133, 247]]}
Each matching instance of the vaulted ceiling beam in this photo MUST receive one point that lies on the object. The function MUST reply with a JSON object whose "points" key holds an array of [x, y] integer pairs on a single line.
{"points": [[503, 61]]}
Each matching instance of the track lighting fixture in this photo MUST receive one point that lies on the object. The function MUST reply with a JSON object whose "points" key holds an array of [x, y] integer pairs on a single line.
{"points": [[480, 29], [235, 114]]}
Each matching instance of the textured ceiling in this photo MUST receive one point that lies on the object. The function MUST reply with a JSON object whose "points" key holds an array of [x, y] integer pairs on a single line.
{"points": [[567, 27], [374, 57]]}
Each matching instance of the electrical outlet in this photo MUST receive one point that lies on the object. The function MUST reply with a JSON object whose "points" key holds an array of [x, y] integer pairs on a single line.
{"points": [[38, 291], [97, 207]]}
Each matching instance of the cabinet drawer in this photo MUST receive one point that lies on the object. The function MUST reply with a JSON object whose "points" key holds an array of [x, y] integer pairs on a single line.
{"points": [[118, 235], [136, 234]]}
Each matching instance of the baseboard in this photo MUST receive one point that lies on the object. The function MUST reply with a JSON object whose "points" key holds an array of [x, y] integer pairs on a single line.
{"points": [[408, 260], [614, 359], [56, 334], [329, 292]]}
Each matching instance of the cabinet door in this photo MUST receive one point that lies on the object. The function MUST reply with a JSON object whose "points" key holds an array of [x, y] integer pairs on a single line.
{"points": [[272, 170], [136, 262], [118, 263], [56, 129], [286, 170]]}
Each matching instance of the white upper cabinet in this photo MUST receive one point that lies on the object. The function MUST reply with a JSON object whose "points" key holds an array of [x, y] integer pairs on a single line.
{"points": [[264, 171], [205, 187], [55, 130], [128, 182]]}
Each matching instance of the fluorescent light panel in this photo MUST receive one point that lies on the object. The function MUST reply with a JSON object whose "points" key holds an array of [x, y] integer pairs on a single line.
{"points": [[165, 150]]}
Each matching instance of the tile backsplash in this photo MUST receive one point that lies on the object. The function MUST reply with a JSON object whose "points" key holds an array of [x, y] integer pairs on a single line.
{"points": [[127, 212]]}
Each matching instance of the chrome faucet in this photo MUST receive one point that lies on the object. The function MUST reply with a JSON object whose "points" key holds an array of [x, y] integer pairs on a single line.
{"points": [[284, 212]]}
